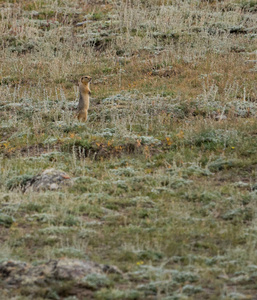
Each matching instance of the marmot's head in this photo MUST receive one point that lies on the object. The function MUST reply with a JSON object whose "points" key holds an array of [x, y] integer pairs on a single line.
{"points": [[85, 79]]}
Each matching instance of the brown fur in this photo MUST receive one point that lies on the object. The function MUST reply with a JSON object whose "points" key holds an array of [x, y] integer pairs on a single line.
{"points": [[84, 92]]}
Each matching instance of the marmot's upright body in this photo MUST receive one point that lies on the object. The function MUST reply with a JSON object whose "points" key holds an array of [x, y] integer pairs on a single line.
{"points": [[84, 92]]}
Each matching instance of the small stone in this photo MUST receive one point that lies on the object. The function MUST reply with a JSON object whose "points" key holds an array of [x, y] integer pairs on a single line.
{"points": [[53, 187], [83, 23], [34, 13], [220, 118]]}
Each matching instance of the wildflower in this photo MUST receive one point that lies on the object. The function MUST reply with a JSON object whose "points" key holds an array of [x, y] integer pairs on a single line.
{"points": [[169, 142], [139, 263], [232, 148], [180, 135]]}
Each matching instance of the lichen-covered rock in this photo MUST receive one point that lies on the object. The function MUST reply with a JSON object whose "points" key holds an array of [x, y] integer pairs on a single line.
{"points": [[16, 273], [74, 269], [50, 179]]}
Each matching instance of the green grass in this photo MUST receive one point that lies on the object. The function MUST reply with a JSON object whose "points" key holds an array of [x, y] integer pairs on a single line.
{"points": [[162, 187]]}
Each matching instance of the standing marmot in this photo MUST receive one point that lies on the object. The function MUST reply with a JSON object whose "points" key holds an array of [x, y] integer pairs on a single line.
{"points": [[84, 92]]}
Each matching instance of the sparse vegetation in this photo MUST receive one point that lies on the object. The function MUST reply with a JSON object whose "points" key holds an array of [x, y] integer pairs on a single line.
{"points": [[162, 177]]}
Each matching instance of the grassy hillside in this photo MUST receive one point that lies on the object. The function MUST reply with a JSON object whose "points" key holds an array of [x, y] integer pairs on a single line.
{"points": [[163, 176]]}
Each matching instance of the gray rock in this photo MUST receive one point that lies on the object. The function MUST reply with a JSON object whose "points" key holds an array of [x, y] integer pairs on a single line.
{"points": [[67, 269], [83, 23], [220, 118], [17, 273], [50, 179]]}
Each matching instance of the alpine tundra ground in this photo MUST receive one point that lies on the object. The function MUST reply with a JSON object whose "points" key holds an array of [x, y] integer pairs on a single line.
{"points": [[163, 176]]}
